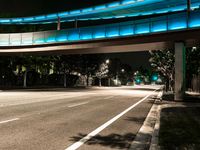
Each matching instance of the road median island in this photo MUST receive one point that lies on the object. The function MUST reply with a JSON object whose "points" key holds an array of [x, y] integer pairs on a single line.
{"points": [[179, 128]]}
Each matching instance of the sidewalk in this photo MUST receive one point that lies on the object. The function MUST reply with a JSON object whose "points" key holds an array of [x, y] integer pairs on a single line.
{"points": [[148, 135]]}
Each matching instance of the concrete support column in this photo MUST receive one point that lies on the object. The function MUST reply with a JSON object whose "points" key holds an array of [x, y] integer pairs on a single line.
{"points": [[179, 71]]}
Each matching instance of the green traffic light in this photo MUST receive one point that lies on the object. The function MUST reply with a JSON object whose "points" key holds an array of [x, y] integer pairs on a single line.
{"points": [[155, 77]]}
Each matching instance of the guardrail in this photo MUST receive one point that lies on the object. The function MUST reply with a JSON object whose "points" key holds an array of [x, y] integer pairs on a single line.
{"points": [[166, 23]]}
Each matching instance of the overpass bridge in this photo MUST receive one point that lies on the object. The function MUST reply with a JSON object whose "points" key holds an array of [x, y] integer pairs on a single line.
{"points": [[113, 10], [169, 30], [165, 29]]}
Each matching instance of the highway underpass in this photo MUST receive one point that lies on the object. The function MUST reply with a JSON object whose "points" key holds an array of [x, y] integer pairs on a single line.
{"points": [[176, 30], [96, 118], [177, 40]]}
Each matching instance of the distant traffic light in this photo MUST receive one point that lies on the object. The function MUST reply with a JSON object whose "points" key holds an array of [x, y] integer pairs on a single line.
{"points": [[138, 81], [154, 77]]}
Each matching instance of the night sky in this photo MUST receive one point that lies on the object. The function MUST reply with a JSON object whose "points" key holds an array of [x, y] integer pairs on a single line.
{"points": [[134, 59], [33, 7], [15, 8]]}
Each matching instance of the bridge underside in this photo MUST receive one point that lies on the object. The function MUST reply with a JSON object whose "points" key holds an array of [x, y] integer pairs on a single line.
{"points": [[170, 40], [128, 44]]}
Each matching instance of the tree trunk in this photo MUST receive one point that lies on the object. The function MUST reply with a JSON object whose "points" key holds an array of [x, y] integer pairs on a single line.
{"points": [[167, 85], [100, 82], [19, 74], [108, 81], [25, 79], [65, 80], [87, 80]]}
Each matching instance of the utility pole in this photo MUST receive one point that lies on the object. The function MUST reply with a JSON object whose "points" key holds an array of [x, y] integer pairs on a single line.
{"points": [[58, 24]]}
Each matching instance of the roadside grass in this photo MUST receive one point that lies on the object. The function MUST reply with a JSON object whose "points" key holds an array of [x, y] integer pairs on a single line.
{"points": [[180, 128]]}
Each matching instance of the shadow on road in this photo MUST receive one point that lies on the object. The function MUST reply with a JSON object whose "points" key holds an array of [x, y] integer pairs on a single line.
{"points": [[111, 140], [138, 120]]}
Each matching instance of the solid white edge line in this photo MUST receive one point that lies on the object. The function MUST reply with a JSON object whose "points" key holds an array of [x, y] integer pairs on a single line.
{"points": [[76, 145], [6, 121]]}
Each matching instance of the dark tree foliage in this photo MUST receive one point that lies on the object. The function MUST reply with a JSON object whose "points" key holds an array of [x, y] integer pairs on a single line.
{"points": [[192, 64], [114, 67], [89, 64], [7, 76], [30, 70], [163, 63], [126, 73]]}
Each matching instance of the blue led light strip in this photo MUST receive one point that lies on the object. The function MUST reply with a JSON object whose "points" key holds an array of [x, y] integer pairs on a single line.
{"points": [[132, 8], [161, 24]]}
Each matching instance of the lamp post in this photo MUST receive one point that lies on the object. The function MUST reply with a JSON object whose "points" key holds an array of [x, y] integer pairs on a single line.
{"points": [[107, 62]]}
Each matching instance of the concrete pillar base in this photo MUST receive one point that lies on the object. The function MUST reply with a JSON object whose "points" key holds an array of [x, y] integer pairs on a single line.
{"points": [[179, 71]]}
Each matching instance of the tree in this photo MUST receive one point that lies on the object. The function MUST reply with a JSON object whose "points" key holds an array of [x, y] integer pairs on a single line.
{"points": [[114, 68], [6, 71], [102, 72], [126, 73], [65, 64], [192, 64], [89, 64], [163, 63]]}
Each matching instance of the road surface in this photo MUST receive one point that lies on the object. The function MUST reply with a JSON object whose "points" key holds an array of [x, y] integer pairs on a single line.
{"points": [[64, 119]]}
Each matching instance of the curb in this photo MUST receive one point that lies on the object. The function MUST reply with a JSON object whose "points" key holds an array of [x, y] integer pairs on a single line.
{"points": [[155, 136], [143, 138]]}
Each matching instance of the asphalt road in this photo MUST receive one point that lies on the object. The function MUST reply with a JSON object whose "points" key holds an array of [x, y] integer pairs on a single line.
{"points": [[58, 119]]}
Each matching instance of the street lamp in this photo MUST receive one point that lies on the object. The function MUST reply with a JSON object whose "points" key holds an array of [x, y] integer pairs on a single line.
{"points": [[122, 70], [107, 61]]}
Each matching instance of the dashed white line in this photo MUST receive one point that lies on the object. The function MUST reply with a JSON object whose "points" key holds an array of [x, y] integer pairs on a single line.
{"points": [[109, 97], [78, 104], [105, 125], [6, 121]]}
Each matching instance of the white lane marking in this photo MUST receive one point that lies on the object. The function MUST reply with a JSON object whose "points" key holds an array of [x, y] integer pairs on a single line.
{"points": [[105, 125], [160, 94], [6, 121], [78, 104], [109, 97]]}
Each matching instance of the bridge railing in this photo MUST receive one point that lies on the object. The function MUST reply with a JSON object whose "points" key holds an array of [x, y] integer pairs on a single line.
{"points": [[161, 24], [132, 8]]}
